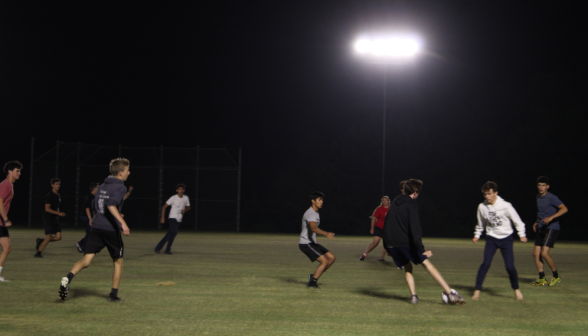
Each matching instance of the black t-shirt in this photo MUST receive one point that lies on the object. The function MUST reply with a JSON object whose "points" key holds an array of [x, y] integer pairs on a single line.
{"points": [[53, 200], [88, 204]]}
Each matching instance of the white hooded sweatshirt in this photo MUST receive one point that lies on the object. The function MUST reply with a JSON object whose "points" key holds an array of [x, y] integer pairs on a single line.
{"points": [[498, 220]]}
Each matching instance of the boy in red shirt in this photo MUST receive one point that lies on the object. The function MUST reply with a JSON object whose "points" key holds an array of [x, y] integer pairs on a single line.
{"points": [[12, 170]]}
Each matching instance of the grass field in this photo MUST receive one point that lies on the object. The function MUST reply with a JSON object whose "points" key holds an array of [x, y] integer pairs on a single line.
{"points": [[255, 284]]}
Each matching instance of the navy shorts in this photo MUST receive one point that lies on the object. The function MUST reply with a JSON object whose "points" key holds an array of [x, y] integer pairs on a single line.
{"points": [[313, 251], [546, 237], [4, 232], [404, 255], [52, 226], [378, 232]]}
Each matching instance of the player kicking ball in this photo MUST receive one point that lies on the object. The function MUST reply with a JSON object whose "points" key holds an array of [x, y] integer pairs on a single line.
{"points": [[307, 243], [402, 239], [107, 226], [497, 216]]}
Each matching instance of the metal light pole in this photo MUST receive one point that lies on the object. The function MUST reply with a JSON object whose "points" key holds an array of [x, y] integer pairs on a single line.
{"points": [[386, 50]]}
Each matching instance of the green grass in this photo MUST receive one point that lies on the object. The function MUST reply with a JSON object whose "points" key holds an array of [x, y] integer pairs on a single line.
{"points": [[255, 284]]}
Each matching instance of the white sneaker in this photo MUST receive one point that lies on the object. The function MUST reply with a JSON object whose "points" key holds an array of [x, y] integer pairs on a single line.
{"points": [[2, 279], [64, 288]]}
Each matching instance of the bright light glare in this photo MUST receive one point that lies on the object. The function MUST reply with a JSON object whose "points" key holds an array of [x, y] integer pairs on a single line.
{"points": [[388, 47]]}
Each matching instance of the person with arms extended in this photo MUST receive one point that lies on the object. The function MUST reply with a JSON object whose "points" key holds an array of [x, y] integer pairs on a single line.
{"points": [[107, 226], [51, 218], [12, 170], [549, 207], [403, 241], [180, 204], [307, 243], [496, 216]]}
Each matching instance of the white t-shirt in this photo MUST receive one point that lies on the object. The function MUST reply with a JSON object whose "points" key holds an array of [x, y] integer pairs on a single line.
{"points": [[177, 205], [308, 236]]}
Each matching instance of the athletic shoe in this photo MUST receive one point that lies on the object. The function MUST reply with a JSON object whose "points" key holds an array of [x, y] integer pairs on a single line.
{"points": [[539, 282], [455, 298], [362, 258], [157, 251], [64, 288], [114, 299], [39, 241], [2, 279], [312, 285], [79, 248], [168, 252], [38, 255], [554, 281], [414, 299]]}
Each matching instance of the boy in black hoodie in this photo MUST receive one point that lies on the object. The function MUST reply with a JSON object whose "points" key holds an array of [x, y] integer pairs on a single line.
{"points": [[402, 240], [107, 226]]}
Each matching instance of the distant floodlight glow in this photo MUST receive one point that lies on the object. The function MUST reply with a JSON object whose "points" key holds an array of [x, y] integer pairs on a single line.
{"points": [[388, 47]]}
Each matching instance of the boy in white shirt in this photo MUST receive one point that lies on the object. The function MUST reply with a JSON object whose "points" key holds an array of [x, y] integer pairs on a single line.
{"points": [[496, 216], [180, 204]]}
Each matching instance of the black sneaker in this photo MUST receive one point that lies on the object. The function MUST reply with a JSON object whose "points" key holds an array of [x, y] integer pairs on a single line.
{"points": [[114, 299], [64, 288], [38, 255], [79, 248], [39, 241], [312, 285], [157, 251]]}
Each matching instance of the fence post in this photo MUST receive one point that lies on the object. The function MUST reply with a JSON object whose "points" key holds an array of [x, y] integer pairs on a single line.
{"points": [[77, 210], [196, 191], [31, 181], [239, 192], [160, 185]]}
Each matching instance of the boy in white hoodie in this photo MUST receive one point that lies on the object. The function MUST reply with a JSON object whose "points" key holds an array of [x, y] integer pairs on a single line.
{"points": [[496, 216]]}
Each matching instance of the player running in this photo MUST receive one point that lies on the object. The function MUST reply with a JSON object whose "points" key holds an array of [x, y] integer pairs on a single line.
{"points": [[107, 226], [549, 207], [377, 228], [12, 170], [307, 243], [497, 216]]}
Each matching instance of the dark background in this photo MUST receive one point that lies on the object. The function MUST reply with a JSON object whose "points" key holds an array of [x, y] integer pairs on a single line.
{"points": [[498, 95]]}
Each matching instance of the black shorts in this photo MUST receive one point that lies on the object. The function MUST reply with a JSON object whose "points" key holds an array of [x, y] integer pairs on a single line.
{"points": [[52, 226], [98, 239], [378, 232], [546, 237], [4, 232], [404, 255], [313, 251]]}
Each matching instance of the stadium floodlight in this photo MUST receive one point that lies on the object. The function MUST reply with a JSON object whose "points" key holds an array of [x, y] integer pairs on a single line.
{"points": [[388, 47]]}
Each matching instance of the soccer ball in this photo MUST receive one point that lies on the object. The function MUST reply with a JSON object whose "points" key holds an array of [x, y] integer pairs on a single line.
{"points": [[445, 297]]}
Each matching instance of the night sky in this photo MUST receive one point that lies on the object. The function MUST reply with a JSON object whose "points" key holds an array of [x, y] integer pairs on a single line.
{"points": [[498, 94]]}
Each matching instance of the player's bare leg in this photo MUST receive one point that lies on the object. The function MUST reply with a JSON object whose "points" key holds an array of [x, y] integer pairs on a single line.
{"points": [[383, 254], [6, 248], [323, 264], [538, 259], [373, 245], [436, 275], [84, 263], [117, 274], [49, 238], [545, 255], [518, 294], [409, 278], [331, 259]]}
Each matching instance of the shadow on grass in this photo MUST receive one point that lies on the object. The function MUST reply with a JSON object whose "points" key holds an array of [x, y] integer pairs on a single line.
{"points": [[470, 291], [82, 292], [381, 295], [294, 281]]}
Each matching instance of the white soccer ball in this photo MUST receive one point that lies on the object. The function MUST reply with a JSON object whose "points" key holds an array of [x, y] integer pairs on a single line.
{"points": [[445, 297]]}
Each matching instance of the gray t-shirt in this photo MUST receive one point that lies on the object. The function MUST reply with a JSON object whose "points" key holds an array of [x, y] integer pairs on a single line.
{"points": [[547, 206], [307, 236]]}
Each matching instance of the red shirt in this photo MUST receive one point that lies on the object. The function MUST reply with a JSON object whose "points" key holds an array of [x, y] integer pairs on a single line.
{"points": [[380, 214], [6, 193]]}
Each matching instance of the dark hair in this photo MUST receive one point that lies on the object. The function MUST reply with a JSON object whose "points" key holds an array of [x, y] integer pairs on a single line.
{"points": [[543, 179], [93, 185], [12, 165], [118, 165], [55, 180], [412, 186], [316, 194], [181, 185], [402, 183], [490, 185]]}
